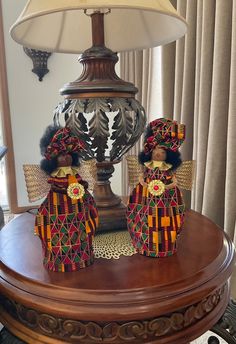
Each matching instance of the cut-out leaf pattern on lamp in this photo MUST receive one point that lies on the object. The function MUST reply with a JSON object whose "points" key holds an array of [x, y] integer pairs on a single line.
{"points": [[99, 106]]}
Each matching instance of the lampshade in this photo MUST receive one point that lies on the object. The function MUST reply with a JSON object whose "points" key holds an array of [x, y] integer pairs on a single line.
{"points": [[62, 26]]}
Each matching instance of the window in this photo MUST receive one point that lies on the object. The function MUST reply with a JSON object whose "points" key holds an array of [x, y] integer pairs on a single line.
{"points": [[3, 182]]}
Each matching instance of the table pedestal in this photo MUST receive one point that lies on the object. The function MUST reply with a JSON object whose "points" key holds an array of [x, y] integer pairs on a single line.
{"points": [[136, 299]]}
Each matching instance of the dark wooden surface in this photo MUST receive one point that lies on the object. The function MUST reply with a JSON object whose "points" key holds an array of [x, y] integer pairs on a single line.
{"points": [[133, 289]]}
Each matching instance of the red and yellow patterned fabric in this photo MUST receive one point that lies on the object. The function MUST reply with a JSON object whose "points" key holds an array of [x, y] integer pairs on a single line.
{"points": [[66, 226], [155, 218], [63, 142], [166, 133]]}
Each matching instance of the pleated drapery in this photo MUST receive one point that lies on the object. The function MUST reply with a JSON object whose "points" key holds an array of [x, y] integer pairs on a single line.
{"points": [[136, 67], [200, 92], [199, 88]]}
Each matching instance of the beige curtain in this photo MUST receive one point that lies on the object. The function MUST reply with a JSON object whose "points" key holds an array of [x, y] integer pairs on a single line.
{"points": [[136, 67], [199, 87]]}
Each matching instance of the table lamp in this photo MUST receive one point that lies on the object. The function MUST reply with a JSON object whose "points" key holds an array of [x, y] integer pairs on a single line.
{"points": [[99, 106]]}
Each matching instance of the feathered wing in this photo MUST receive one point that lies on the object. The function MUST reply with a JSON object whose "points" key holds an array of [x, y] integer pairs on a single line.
{"points": [[36, 182], [36, 179], [88, 172], [135, 169], [185, 174]]}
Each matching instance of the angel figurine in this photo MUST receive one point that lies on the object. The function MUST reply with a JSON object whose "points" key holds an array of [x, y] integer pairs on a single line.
{"points": [[155, 212], [67, 219]]}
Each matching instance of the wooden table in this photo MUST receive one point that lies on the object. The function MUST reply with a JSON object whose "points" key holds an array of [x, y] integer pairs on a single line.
{"points": [[131, 300]]}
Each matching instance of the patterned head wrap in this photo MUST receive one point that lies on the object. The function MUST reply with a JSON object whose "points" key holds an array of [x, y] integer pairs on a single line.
{"points": [[166, 134], [63, 142]]}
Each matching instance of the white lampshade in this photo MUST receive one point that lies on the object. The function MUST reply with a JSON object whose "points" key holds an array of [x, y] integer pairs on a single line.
{"points": [[62, 25]]}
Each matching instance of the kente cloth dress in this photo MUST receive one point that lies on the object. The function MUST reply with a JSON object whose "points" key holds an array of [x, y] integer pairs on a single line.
{"points": [[66, 226], [154, 221]]}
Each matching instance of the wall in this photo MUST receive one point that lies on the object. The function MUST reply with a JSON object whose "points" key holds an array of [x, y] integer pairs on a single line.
{"points": [[32, 102], [156, 105]]}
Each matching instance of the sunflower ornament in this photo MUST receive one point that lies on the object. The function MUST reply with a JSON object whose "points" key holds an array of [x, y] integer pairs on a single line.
{"points": [[156, 187], [75, 191]]}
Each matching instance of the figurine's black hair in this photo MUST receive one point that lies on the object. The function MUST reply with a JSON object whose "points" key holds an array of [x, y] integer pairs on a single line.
{"points": [[49, 166], [46, 139], [173, 158]]}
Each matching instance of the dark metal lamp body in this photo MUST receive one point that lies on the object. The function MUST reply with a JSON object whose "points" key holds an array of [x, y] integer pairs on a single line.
{"points": [[102, 109]]}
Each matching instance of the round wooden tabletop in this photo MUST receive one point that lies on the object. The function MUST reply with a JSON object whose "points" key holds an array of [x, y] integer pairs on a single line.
{"points": [[130, 300]]}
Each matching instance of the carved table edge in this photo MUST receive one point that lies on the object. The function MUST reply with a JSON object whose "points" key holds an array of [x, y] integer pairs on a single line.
{"points": [[118, 332]]}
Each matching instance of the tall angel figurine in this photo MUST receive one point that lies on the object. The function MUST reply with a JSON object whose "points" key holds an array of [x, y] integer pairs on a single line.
{"points": [[67, 219], [156, 209]]}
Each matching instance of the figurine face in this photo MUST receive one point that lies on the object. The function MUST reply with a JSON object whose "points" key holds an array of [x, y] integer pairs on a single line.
{"points": [[158, 154], [64, 160]]}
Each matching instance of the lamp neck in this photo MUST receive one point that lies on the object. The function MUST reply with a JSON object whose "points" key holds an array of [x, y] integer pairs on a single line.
{"points": [[98, 29], [98, 77]]}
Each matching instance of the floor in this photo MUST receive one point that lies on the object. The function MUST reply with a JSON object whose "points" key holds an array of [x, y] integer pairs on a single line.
{"points": [[203, 339]]}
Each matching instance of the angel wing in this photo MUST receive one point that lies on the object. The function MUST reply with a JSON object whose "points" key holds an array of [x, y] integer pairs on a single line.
{"points": [[184, 174], [36, 179], [135, 169], [36, 182], [88, 172]]}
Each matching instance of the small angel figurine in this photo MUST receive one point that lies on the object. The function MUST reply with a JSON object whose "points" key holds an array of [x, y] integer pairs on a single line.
{"points": [[67, 219], [155, 212]]}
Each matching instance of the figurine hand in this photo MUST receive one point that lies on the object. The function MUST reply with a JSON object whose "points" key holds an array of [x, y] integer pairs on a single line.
{"points": [[142, 182], [84, 183], [172, 185]]}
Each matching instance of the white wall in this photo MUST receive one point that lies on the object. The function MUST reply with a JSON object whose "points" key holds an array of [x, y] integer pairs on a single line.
{"points": [[32, 102], [156, 105]]}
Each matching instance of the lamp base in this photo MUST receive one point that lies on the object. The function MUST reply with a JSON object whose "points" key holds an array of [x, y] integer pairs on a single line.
{"points": [[111, 210], [113, 218]]}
